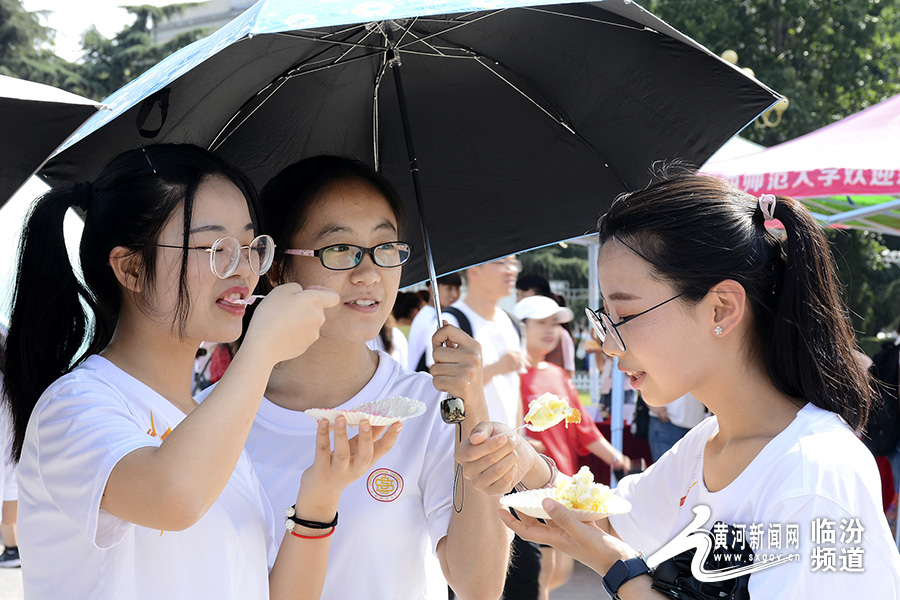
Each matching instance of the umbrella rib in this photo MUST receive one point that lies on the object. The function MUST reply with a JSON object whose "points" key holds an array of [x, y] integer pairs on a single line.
{"points": [[592, 20], [349, 50], [376, 132], [419, 40], [216, 143], [324, 40], [457, 26], [481, 60], [406, 30]]}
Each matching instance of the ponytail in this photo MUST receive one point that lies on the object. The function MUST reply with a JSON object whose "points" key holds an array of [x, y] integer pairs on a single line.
{"points": [[48, 324], [811, 351], [57, 319]]}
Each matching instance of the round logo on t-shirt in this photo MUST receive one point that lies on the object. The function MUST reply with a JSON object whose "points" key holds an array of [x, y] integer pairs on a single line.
{"points": [[384, 485]]}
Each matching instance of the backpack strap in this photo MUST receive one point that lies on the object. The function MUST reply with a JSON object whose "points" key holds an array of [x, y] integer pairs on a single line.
{"points": [[461, 317], [518, 323], [464, 324]]}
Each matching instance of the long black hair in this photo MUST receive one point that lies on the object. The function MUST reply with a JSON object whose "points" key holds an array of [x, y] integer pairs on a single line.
{"points": [[696, 231], [58, 320]]}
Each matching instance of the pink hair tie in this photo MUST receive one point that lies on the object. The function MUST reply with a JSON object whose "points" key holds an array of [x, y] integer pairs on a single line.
{"points": [[767, 206]]}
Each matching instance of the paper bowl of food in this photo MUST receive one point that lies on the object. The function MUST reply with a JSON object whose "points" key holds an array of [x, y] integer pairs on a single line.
{"points": [[386, 411], [588, 501]]}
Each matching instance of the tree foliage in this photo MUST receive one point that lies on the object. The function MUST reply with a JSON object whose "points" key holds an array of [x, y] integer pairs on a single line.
{"points": [[830, 58], [24, 51], [555, 262], [108, 64]]}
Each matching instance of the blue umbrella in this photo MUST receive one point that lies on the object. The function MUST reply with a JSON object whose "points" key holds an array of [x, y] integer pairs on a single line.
{"points": [[512, 127]]}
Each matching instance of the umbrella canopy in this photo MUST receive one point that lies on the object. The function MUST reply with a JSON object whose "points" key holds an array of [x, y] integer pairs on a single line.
{"points": [[527, 121], [846, 172], [35, 119]]}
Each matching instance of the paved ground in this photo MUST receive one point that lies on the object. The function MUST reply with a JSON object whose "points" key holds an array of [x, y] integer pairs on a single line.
{"points": [[584, 585], [11, 584]]}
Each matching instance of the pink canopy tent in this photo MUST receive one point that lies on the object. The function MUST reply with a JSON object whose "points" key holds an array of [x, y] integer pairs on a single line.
{"points": [[857, 155]]}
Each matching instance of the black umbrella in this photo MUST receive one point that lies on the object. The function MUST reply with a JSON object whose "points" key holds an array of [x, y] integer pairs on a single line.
{"points": [[526, 121], [35, 120]]}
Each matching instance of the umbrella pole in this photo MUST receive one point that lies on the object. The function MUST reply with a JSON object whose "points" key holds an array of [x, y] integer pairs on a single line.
{"points": [[452, 409], [414, 171]]}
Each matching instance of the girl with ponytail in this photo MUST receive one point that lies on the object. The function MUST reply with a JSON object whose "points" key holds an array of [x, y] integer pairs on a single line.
{"points": [[700, 297], [128, 487]]}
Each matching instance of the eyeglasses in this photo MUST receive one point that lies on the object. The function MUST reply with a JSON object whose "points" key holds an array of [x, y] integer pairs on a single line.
{"points": [[225, 254], [508, 263], [343, 257], [605, 328]]}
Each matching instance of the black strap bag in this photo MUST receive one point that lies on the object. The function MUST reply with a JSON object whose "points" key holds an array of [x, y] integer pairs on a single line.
{"points": [[674, 578]]}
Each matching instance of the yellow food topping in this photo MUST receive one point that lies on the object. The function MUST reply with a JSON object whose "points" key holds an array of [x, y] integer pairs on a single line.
{"points": [[581, 493], [548, 410]]}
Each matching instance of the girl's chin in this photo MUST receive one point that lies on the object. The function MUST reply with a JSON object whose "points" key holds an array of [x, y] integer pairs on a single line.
{"points": [[356, 335]]}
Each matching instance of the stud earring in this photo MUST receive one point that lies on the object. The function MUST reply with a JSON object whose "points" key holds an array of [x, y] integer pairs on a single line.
{"points": [[717, 331]]}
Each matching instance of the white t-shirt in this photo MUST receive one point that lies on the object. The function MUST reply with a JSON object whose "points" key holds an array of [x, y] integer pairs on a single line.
{"points": [[496, 339], [400, 350], [422, 329], [815, 469], [81, 427], [380, 546], [685, 412], [9, 490]]}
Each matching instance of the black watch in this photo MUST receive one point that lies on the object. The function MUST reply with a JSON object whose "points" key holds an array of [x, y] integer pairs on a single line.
{"points": [[622, 571]]}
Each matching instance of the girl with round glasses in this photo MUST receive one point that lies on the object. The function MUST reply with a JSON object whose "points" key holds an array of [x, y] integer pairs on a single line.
{"points": [[700, 297], [337, 224], [128, 487]]}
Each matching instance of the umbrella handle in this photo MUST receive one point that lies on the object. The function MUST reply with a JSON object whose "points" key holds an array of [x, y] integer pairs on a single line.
{"points": [[453, 410]]}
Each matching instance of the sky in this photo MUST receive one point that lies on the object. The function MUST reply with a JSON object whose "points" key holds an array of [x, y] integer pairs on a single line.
{"points": [[71, 18]]}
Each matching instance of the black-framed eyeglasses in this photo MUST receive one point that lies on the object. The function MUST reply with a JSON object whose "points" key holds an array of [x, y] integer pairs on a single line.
{"points": [[606, 329], [225, 254], [343, 257]]}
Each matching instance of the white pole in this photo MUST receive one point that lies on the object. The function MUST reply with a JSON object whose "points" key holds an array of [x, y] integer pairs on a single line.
{"points": [[615, 418], [594, 299]]}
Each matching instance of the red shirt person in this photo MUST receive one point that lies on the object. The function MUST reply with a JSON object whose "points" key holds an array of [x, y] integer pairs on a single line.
{"points": [[542, 317]]}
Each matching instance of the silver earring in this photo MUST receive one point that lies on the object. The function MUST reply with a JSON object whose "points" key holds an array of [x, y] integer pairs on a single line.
{"points": [[717, 331]]}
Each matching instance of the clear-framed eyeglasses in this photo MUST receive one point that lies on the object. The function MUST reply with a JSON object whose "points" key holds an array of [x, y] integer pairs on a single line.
{"points": [[225, 254], [343, 257], [608, 332], [508, 263]]}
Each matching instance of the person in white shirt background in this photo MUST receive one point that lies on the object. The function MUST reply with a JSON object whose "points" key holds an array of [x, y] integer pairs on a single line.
{"points": [[504, 355], [128, 488], [425, 322], [700, 297], [671, 422], [501, 344], [338, 224]]}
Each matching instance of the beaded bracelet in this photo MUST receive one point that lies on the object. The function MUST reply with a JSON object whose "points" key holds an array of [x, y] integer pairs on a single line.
{"points": [[292, 520]]}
